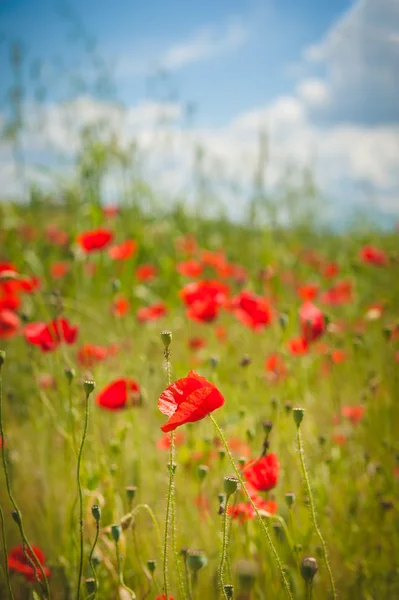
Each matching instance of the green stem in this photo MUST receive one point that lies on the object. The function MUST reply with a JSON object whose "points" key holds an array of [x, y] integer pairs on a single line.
{"points": [[71, 417], [313, 511], [153, 519], [167, 517], [3, 535], [93, 595], [224, 547], [81, 496], [261, 521], [32, 558], [120, 573]]}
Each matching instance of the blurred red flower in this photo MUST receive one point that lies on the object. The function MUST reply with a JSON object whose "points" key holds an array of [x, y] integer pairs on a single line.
{"points": [[188, 400], [90, 241], [163, 597], [189, 268], [354, 413], [9, 323], [340, 293], [55, 235], [120, 306], [196, 343], [298, 346], [373, 256], [308, 291], [163, 443], [251, 310], [146, 272], [312, 321], [123, 251], [330, 269], [111, 210], [151, 313], [275, 365], [18, 562], [186, 244], [262, 473], [205, 311], [58, 270], [242, 511], [119, 394], [90, 354], [200, 291], [48, 336]]}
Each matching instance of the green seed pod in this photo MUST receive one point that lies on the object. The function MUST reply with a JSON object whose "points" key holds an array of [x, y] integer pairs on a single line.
{"points": [[196, 560], [69, 374], [298, 414], [96, 512], [166, 337], [289, 499], [90, 586], [116, 531], [88, 387], [230, 485], [228, 590], [202, 472], [151, 565], [308, 568]]}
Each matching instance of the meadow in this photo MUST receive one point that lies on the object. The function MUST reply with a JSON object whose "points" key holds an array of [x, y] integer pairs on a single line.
{"points": [[277, 475]]}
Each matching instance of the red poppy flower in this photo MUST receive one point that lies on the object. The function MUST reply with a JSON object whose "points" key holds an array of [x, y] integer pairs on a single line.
{"points": [[213, 259], [152, 313], [189, 268], [221, 333], [48, 336], [58, 270], [312, 322], [163, 597], [200, 291], [186, 244], [196, 343], [120, 306], [18, 563], [242, 511], [205, 311], [111, 211], [9, 295], [55, 235], [188, 400], [373, 256], [308, 291], [338, 356], [146, 272], [354, 413], [330, 269], [119, 394], [262, 473], [251, 310], [298, 346], [90, 241], [276, 366], [123, 251], [340, 293], [164, 441], [90, 354], [9, 323], [46, 381], [29, 284]]}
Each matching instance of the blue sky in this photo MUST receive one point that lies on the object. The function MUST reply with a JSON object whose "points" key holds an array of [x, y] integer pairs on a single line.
{"points": [[321, 77]]}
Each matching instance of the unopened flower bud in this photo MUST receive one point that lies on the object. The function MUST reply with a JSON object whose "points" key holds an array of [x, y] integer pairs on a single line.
{"points": [[230, 485], [228, 590], [267, 426], [298, 414], [151, 565], [96, 512], [16, 515], [90, 586], [166, 337], [196, 560], [308, 568], [290, 499], [130, 492], [116, 531], [245, 360], [69, 374], [88, 387], [202, 471], [242, 460]]}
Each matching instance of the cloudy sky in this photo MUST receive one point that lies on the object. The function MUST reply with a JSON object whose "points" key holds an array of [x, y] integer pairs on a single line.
{"points": [[321, 78]]}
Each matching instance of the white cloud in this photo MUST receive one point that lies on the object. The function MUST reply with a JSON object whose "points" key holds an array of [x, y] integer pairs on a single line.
{"points": [[313, 91]]}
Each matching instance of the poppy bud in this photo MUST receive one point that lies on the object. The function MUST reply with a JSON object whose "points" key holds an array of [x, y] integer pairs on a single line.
{"points": [[130, 492], [222, 453], [69, 374], [221, 498], [88, 387], [202, 472], [246, 572], [289, 499], [228, 590], [196, 560], [308, 568], [90, 586], [2, 358], [245, 361], [96, 512], [151, 565], [230, 485], [166, 337], [267, 426], [116, 531], [242, 460], [278, 530], [288, 407], [298, 414]]}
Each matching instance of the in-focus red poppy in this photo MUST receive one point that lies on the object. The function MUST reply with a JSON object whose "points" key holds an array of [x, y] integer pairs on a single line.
{"points": [[90, 354], [251, 310], [340, 293], [373, 256], [146, 272], [354, 413], [151, 313], [262, 473], [19, 563], [163, 443], [298, 346], [189, 268], [312, 321], [119, 394], [188, 400], [58, 270], [123, 251], [308, 291], [48, 336], [120, 306], [96, 239], [196, 343], [9, 324]]}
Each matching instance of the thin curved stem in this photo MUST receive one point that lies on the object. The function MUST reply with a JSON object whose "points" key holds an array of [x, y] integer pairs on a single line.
{"points": [[225, 543], [3, 535], [262, 522], [167, 516], [120, 573], [81, 496], [93, 595], [312, 510]]}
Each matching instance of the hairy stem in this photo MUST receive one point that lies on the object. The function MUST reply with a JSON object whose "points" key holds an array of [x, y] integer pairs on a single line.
{"points": [[81, 495], [225, 543], [3, 535]]}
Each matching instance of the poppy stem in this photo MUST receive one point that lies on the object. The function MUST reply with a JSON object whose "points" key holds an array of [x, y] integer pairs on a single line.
{"points": [[120, 573], [32, 558], [93, 595], [312, 510], [87, 394], [3, 535], [224, 546], [261, 521]]}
